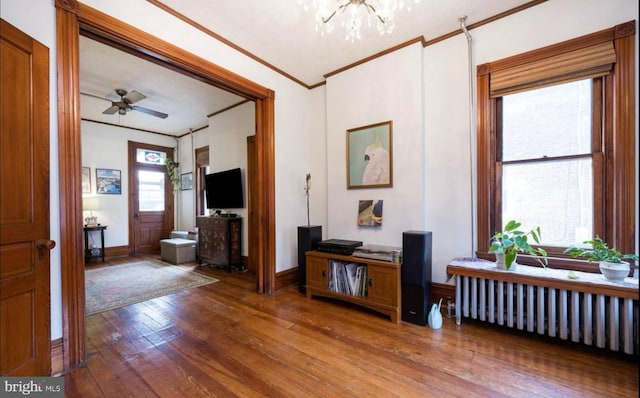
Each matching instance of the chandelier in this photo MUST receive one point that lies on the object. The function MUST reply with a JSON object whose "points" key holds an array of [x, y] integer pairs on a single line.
{"points": [[352, 13]]}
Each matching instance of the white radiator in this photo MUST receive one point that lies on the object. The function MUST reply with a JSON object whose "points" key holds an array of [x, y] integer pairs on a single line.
{"points": [[606, 317]]}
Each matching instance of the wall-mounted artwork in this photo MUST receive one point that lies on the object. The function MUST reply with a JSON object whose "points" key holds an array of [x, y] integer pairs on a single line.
{"points": [[369, 156], [370, 213], [108, 181], [86, 180], [186, 181]]}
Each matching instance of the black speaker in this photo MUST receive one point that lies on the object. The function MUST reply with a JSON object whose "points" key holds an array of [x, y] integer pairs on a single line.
{"points": [[308, 238], [416, 276]]}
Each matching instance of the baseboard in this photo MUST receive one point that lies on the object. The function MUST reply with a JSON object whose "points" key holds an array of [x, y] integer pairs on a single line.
{"points": [[57, 357], [442, 291], [286, 278], [116, 251]]}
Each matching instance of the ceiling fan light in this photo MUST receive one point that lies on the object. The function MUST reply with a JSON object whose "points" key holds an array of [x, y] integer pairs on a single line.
{"points": [[122, 111]]}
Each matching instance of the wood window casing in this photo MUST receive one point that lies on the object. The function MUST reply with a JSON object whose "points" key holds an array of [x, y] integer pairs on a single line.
{"points": [[613, 150]]}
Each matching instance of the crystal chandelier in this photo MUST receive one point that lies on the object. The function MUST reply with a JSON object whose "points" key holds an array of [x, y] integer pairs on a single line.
{"points": [[352, 13]]}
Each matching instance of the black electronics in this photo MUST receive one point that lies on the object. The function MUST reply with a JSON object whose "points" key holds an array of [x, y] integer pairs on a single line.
{"points": [[308, 238], [224, 189], [338, 246], [416, 276]]}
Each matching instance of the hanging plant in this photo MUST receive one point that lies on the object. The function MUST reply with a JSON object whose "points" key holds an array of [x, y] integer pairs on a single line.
{"points": [[172, 171]]}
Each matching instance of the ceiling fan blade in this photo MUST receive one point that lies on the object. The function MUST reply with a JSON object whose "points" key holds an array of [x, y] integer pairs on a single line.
{"points": [[95, 96], [110, 111], [150, 112], [133, 96]]}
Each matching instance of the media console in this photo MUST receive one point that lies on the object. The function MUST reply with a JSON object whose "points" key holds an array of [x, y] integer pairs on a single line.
{"points": [[370, 283]]}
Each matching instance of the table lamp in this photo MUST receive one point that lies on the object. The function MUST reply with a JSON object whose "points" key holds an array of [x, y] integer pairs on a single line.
{"points": [[90, 203]]}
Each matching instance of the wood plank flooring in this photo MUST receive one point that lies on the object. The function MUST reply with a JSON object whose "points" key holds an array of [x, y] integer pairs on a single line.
{"points": [[224, 340]]}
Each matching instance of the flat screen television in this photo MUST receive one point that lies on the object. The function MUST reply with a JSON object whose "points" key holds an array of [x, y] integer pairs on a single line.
{"points": [[224, 190]]}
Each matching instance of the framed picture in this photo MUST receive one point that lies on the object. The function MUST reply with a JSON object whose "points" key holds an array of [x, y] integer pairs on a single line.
{"points": [[369, 156], [86, 180], [108, 181], [370, 213], [186, 181]]}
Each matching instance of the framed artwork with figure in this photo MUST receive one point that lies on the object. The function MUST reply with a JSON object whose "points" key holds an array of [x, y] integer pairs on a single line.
{"points": [[370, 156]]}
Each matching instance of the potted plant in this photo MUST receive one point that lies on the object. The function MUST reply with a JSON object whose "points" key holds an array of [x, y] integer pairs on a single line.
{"points": [[172, 171], [612, 264], [507, 244]]}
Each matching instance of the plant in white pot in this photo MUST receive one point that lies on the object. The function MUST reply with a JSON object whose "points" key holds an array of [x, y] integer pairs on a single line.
{"points": [[507, 244], [612, 264]]}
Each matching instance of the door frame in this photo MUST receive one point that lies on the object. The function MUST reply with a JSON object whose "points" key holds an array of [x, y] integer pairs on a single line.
{"points": [[132, 202], [72, 18]]}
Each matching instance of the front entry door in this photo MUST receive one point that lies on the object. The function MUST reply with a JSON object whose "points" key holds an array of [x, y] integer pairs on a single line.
{"points": [[151, 197], [25, 328]]}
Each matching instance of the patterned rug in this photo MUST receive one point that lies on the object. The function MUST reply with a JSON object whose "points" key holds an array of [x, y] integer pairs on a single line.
{"points": [[115, 286]]}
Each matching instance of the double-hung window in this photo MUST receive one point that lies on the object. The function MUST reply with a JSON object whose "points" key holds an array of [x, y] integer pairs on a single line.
{"points": [[556, 143]]}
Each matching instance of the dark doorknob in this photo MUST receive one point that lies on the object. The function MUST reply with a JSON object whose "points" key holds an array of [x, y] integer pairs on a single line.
{"points": [[43, 245]]}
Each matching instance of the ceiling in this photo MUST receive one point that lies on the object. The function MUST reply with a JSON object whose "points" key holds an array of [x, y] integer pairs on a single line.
{"points": [[278, 32]]}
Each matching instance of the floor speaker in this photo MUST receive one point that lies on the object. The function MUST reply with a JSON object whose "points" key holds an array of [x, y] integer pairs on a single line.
{"points": [[308, 238], [416, 276]]}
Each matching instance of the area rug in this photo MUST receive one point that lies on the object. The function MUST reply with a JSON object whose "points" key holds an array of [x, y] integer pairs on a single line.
{"points": [[115, 286]]}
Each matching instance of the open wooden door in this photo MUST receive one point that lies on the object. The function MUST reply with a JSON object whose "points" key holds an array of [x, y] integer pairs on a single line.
{"points": [[252, 222], [25, 327]]}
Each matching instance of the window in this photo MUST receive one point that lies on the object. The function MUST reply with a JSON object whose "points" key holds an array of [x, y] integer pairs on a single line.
{"points": [[556, 140], [151, 193], [546, 161]]}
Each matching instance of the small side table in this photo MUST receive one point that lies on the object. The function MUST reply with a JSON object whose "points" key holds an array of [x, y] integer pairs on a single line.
{"points": [[88, 255]]}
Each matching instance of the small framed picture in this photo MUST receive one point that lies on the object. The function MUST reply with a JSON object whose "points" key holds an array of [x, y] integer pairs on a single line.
{"points": [[86, 180], [370, 213], [108, 181], [369, 156], [186, 181]]}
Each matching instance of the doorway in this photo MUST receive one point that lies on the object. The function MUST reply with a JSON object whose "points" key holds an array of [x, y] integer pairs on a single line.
{"points": [[151, 205], [73, 18]]}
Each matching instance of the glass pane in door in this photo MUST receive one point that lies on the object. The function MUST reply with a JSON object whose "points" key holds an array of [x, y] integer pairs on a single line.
{"points": [[150, 190]]}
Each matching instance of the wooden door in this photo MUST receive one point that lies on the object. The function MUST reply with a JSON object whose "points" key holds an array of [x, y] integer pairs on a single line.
{"points": [[252, 219], [151, 198], [25, 328]]}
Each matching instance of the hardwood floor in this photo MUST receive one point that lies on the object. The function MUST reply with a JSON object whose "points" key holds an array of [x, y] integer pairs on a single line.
{"points": [[224, 340]]}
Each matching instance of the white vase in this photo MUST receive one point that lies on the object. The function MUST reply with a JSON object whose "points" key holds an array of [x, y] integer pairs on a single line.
{"points": [[615, 272], [500, 262]]}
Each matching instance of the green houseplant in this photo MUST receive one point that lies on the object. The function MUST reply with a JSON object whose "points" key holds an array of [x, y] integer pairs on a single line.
{"points": [[172, 171], [612, 264], [511, 241]]}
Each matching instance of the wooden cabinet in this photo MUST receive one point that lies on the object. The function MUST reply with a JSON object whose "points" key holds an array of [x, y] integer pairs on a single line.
{"points": [[381, 289], [220, 241]]}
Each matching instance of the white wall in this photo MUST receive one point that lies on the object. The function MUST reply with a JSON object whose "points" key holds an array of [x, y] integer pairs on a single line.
{"points": [[106, 147], [186, 200], [228, 132], [389, 88], [446, 113]]}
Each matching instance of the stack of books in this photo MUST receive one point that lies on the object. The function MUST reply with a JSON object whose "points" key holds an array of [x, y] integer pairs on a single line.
{"points": [[378, 252], [348, 278]]}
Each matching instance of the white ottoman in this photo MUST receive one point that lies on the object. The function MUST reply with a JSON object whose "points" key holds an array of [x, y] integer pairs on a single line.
{"points": [[179, 234], [178, 250]]}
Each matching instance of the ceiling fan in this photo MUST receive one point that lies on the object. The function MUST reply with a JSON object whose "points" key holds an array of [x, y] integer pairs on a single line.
{"points": [[125, 104]]}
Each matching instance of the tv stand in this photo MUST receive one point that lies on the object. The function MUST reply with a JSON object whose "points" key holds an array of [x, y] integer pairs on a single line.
{"points": [[220, 241], [382, 279]]}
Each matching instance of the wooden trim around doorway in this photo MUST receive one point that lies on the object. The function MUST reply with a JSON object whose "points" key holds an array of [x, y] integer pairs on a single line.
{"points": [[72, 19]]}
